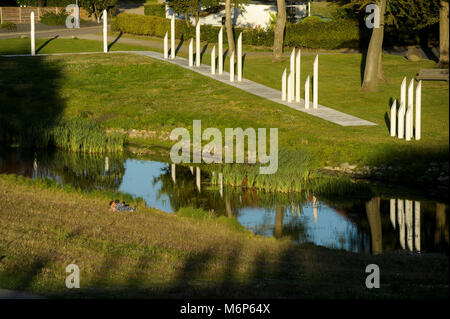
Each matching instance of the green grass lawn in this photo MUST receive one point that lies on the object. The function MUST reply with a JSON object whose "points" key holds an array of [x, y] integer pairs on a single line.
{"points": [[151, 254], [126, 91], [45, 46]]}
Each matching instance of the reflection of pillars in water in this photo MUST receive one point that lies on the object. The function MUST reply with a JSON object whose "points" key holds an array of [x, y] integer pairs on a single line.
{"points": [[392, 211], [198, 178], [315, 209], [228, 208], [35, 166], [279, 214], [191, 169], [401, 222], [292, 210], [221, 184], [374, 218], [409, 223], [173, 171], [106, 164], [440, 224], [417, 225]]}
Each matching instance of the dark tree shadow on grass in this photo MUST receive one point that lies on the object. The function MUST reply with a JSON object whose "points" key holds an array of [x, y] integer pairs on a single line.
{"points": [[180, 44], [115, 40], [45, 43]]}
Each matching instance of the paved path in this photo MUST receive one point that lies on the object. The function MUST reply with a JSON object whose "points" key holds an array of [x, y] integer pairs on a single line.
{"points": [[12, 294], [59, 31], [263, 91], [257, 89]]}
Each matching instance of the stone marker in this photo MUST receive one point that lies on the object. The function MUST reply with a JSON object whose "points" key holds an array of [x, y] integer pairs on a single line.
{"points": [[297, 76], [173, 171], [316, 83], [197, 44], [191, 52], [307, 93], [408, 124], [292, 71], [232, 67], [394, 118], [221, 51], [166, 45], [283, 86], [418, 132], [33, 42], [105, 31], [289, 87], [213, 60], [239, 58], [392, 211], [411, 105], [172, 37], [417, 224]]}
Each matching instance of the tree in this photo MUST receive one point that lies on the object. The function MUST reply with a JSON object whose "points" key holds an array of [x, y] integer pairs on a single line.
{"points": [[279, 29], [96, 7], [181, 6], [229, 26], [443, 33]]}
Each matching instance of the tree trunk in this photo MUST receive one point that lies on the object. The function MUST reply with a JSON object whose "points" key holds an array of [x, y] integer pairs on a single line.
{"points": [[374, 218], [279, 214], [186, 18], [279, 30], [229, 26], [443, 33], [373, 69]]}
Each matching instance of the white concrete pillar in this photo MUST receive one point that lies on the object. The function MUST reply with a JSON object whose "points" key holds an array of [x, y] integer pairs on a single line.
{"points": [[191, 168], [307, 92], [393, 209], [401, 222], [221, 184], [408, 124], [418, 133], [198, 179], [213, 60], [289, 87], [77, 16], [283, 86], [221, 51], [402, 110], [191, 52], [292, 71], [309, 8], [394, 118], [239, 58], [411, 106], [409, 224], [403, 92], [106, 164], [172, 37], [232, 67], [197, 44], [417, 225], [32, 37], [166, 45], [105, 31], [297, 76], [173, 171], [316, 83], [315, 210]]}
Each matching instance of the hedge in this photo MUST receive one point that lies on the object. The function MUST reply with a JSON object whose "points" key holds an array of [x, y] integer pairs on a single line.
{"points": [[155, 9], [311, 33]]}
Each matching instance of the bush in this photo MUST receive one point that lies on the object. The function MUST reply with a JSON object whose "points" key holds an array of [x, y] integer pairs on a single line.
{"points": [[51, 18], [9, 26], [155, 9]]}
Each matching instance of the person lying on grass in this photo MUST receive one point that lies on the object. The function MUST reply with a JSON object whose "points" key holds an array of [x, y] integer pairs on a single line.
{"points": [[116, 206]]}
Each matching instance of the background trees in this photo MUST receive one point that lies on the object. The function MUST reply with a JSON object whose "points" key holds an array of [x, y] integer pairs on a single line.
{"points": [[96, 7]]}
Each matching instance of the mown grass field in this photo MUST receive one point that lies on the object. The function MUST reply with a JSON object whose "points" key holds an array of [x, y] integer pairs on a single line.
{"points": [[152, 254], [126, 91]]}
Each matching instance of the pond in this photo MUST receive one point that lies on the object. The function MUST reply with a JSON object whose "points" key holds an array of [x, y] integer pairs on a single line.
{"points": [[386, 222]]}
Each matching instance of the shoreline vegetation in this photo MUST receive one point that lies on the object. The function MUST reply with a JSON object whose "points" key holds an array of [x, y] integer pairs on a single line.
{"points": [[151, 254]]}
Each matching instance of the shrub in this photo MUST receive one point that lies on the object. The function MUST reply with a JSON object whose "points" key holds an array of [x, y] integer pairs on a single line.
{"points": [[51, 18], [155, 9], [9, 26]]}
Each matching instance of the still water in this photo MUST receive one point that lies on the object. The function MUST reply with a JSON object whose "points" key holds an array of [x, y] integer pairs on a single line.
{"points": [[383, 223]]}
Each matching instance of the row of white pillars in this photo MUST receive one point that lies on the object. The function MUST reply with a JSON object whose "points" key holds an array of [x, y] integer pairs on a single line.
{"points": [[405, 215], [290, 83], [402, 120]]}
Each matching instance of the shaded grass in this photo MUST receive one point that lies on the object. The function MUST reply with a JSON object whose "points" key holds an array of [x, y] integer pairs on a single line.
{"points": [[152, 254]]}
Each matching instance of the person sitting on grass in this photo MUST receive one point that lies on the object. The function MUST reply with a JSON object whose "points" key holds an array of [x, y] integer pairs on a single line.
{"points": [[116, 206]]}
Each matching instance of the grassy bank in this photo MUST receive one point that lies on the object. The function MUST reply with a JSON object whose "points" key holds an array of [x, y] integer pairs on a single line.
{"points": [[154, 254], [124, 92]]}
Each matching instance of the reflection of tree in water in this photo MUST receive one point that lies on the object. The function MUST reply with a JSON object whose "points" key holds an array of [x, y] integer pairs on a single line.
{"points": [[85, 171]]}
